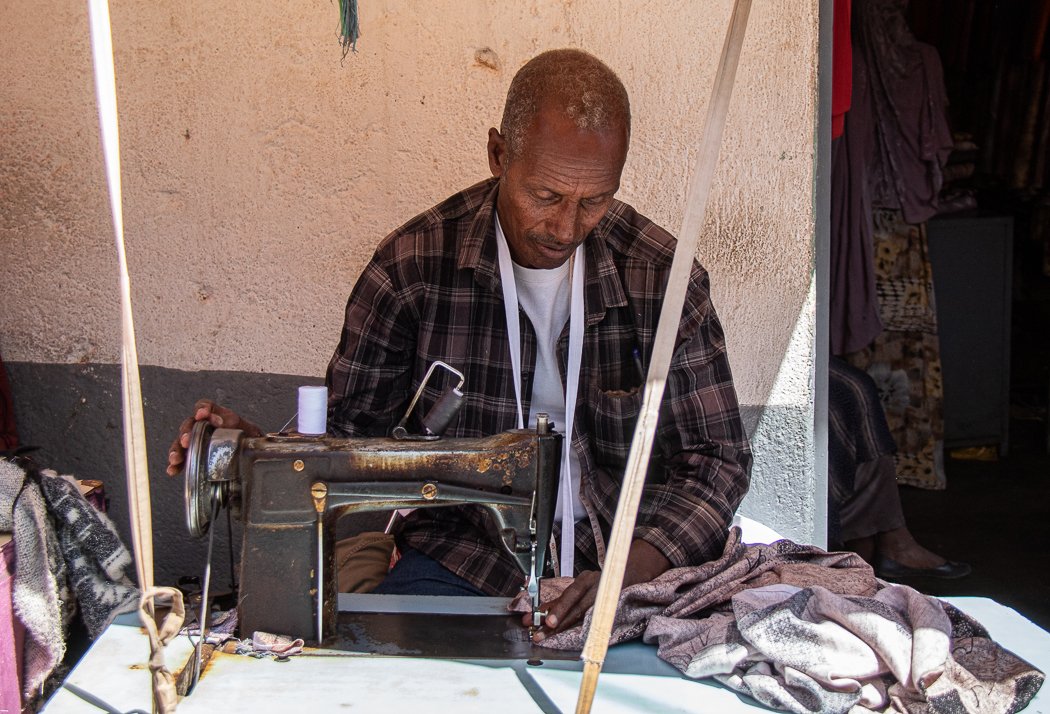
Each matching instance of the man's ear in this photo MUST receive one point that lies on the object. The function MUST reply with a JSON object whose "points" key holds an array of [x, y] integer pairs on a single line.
{"points": [[497, 150]]}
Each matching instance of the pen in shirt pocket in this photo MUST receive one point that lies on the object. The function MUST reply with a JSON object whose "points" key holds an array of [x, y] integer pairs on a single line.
{"points": [[637, 354]]}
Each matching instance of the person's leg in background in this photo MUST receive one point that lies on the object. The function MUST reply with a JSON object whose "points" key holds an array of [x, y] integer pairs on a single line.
{"points": [[866, 514]]}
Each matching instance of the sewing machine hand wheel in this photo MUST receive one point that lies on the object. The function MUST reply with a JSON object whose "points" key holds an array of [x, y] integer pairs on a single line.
{"points": [[199, 492], [211, 468]]}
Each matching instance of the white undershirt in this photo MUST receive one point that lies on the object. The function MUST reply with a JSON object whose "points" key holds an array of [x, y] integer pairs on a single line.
{"points": [[545, 295]]}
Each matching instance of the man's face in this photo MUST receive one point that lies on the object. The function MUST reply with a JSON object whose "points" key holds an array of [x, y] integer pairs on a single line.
{"points": [[556, 191]]}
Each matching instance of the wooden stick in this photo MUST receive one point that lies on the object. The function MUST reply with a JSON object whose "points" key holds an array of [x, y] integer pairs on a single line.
{"points": [[670, 315], [134, 429]]}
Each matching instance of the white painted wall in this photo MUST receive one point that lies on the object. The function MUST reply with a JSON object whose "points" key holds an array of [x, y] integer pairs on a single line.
{"points": [[260, 170]]}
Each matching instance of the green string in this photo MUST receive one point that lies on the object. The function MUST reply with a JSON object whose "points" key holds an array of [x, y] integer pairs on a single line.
{"points": [[349, 30]]}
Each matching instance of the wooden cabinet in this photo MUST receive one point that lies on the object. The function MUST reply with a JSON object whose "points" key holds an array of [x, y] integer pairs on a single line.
{"points": [[972, 258]]}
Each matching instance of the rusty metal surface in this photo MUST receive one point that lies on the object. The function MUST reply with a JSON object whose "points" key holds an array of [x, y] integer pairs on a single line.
{"points": [[269, 480]]}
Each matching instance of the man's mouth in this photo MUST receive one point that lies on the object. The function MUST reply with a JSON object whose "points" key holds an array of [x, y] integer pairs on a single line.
{"points": [[555, 248]]}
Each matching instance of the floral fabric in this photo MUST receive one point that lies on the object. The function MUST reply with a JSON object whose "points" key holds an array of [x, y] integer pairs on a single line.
{"points": [[904, 360]]}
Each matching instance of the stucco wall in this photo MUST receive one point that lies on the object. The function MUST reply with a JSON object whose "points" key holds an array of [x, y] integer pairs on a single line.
{"points": [[259, 171]]}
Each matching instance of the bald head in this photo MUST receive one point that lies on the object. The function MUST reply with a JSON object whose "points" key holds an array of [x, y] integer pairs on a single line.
{"points": [[571, 82]]}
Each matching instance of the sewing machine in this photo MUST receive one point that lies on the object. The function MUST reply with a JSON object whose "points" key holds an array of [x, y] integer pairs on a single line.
{"points": [[289, 489]]}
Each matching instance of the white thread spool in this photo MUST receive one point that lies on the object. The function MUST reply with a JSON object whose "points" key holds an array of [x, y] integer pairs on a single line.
{"points": [[313, 410]]}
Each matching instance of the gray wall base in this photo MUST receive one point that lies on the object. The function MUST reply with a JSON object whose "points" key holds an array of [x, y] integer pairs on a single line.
{"points": [[73, 413]]}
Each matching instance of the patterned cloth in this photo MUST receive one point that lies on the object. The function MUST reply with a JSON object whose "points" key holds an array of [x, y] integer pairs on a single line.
{"points": [[909, 110], [863, 498], [803, 630], [905, 360], [432, 292], [69, 559], [857, 431]]}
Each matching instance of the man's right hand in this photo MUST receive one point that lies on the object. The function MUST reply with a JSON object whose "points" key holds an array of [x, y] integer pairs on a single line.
{"points": [[209, 411]]}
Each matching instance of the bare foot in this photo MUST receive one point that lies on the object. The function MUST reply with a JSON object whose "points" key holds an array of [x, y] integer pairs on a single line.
{"points": [[900, 545]]}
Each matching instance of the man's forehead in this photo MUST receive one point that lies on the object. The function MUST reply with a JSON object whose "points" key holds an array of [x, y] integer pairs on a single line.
{"points": [[553, 129], [557, 111]]}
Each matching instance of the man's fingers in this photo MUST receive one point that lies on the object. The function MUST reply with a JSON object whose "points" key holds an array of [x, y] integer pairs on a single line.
{"points": [[203, 410], [570, 618], [221, 417], [573, 614], [569, 609], [213, 414], [217, 416], [176, 456], [177, 450], [176, 445]]}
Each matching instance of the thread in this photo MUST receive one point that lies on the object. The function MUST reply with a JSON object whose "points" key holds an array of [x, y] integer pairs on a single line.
{"points": [[313, 410]]}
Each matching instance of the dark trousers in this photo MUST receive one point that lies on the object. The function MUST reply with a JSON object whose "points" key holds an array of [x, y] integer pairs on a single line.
{"points": [[418, 574]]}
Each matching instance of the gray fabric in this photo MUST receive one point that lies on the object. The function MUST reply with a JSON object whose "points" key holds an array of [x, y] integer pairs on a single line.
{"points": [[66, 554], [862, 476], [41, 597], [895, 143], [98, 564], [803, 630], [874, 506]]}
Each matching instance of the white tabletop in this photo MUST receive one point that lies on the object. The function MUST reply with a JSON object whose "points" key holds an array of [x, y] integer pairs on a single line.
{"points": [[633, 679]]}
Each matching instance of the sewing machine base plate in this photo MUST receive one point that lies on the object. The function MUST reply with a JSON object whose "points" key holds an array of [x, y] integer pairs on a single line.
{"points": [[453, 629]]}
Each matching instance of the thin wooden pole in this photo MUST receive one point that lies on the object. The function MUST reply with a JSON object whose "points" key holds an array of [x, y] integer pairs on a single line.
{"points": [[670, 315], [134, 428]]}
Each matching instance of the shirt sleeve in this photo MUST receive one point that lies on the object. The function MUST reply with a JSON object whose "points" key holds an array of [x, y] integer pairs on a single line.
{"points": [[701, 454], [369, 376]]}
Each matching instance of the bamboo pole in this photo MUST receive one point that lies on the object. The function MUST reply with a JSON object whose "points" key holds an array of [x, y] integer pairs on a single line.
{"points": [[131, 388], [136, 468], [597, 644]]}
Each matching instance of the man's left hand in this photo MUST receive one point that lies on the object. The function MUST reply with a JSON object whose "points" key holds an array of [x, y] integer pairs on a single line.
{"points": [[644, 563]]}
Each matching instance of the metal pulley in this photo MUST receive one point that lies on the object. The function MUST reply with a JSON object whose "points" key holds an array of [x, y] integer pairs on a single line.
{"points": [[211, 472], [211, 481]]}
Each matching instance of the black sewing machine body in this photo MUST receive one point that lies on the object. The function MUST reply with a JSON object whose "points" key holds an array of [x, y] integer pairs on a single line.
{"points": [[290, 489]]}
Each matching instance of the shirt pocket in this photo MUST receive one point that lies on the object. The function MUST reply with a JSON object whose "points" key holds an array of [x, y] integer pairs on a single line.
{"points": [[615, 414]]}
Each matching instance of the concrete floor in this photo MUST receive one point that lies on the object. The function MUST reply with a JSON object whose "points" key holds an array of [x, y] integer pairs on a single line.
{"points": [[995, 515]]}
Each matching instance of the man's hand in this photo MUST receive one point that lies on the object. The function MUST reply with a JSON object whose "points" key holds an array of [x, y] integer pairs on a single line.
{"points": [[644, 563], [209, 411]]}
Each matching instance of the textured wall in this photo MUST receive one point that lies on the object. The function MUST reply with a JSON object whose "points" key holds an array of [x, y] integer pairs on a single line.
{"points": [[259, 171]]}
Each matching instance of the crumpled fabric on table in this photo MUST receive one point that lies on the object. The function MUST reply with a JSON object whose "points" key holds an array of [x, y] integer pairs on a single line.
{"points": [[803, 630], [263, 644], [221, 627], [809, 650], [68, 557]]}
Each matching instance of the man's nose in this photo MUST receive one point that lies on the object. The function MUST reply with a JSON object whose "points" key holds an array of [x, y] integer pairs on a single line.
{"points": [[563, 223]]}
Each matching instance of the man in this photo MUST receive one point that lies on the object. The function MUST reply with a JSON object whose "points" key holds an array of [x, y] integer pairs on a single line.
{"points": [[588, 273]]}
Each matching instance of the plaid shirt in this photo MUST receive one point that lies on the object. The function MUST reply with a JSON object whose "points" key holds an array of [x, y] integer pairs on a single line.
{"points": [[432, 291]]}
